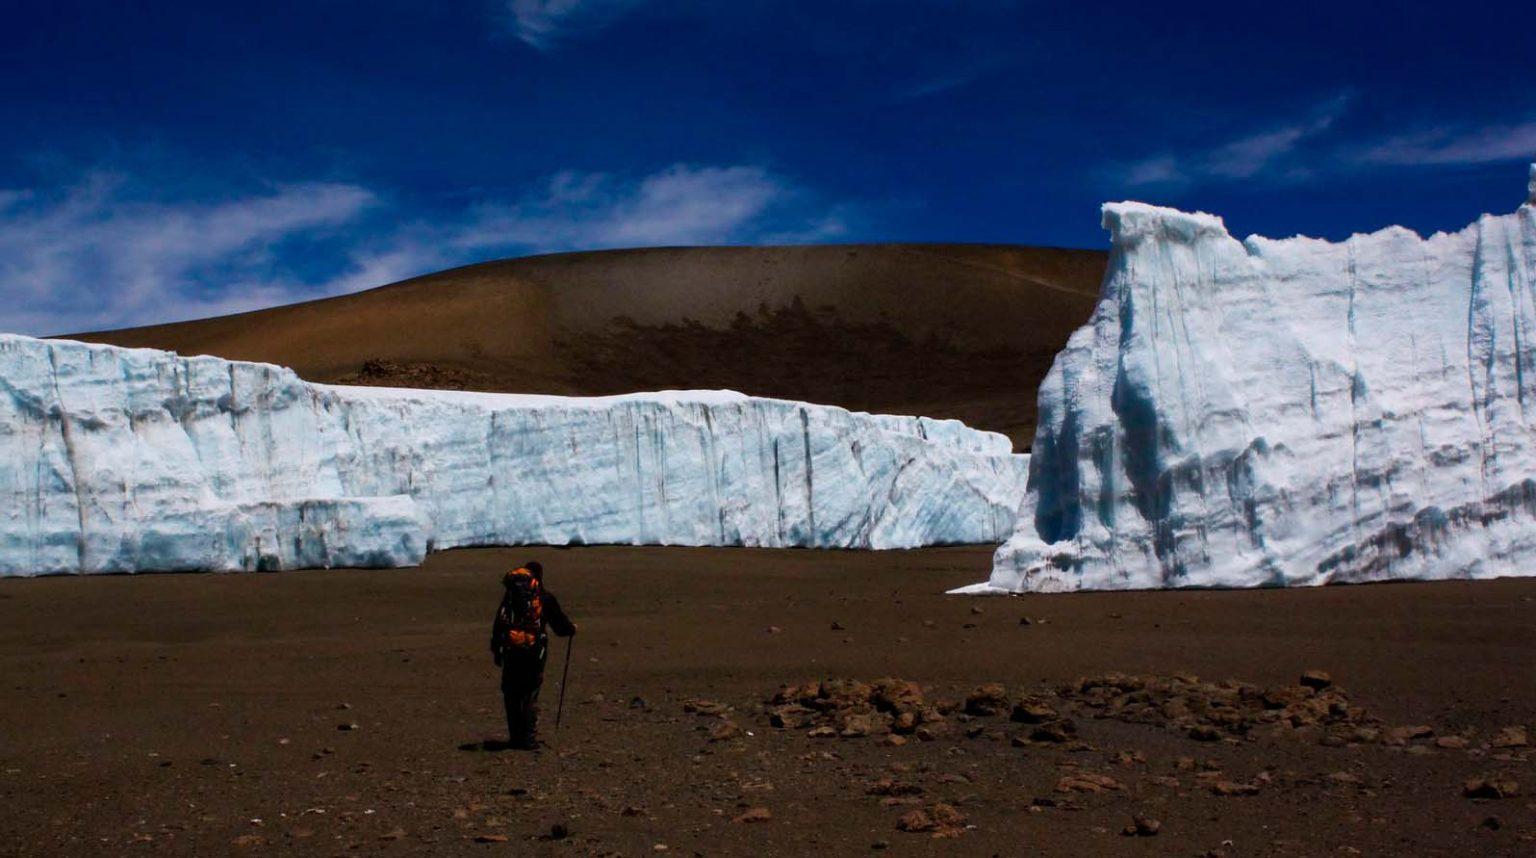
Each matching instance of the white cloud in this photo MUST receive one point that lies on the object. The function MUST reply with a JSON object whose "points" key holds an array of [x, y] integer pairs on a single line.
{"points": [[98, 254], [95, 254], [1266, 153], [678, 205], [1450, 145], [543, 24]]}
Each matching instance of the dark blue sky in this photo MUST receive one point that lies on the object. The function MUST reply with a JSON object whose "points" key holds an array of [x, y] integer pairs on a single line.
{"points": [[166, 160]]}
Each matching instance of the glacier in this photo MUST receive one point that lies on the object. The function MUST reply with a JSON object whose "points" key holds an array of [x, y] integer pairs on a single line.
{"points": [[1288, 412], [124, 460]]}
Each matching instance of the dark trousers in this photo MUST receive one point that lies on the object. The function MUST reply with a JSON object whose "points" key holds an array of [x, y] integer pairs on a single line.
{"points": [[522, 674]]}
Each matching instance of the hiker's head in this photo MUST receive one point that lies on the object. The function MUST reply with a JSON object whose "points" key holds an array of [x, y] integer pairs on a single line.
{"points": [[532, 567]]}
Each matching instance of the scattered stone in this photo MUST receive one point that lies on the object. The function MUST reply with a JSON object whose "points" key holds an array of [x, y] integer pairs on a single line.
{"points": [[1033, 710], [1510, 737], [1142, 826], [988, 699], [347, 728], [1055, 732], [773, 630], [1316, 679], [708, 708], [1088, 782], [754, 815], [1491, 786], [724, 731], [891, 786], [939, 819], [1213, 711], [1231, 788], [1399, 736]]}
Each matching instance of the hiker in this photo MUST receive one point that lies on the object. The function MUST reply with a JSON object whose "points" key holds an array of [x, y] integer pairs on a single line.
{"points": [[519, 645]]}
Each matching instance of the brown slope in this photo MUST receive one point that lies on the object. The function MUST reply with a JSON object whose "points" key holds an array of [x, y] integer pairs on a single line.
{"points": [[962, 331]]}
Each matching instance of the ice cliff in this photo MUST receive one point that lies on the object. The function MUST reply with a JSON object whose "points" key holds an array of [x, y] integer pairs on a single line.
{"points": [[1240, 414], [119, 460]]}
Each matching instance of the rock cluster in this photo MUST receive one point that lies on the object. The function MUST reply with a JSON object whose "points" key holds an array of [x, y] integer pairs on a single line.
{"points": [[1212, 711], [851, 709]]}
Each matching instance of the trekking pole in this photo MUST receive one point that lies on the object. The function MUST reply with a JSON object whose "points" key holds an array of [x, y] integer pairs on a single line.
{"points": [[564, 676]]}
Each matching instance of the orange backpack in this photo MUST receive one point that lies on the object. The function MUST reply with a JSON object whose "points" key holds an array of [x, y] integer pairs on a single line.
{"points": [[523, 608]]}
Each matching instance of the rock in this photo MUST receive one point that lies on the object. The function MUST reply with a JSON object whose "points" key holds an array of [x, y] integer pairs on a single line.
{"points": [[1491, 823], [858, 725], [988, 699], [1032, 710], [1231, 788], [1316, 679], [1142, 826], [1510, 737], [1452, 743], [880, 844], [393, 834], [490, 838], [891, 786], [838, 627], [976, 609], [915, 821], [708, 708], [1088, 782], [893, 741], [904, 723], [559, 831], [755, 814], [347, 728], [773, 630], [1491, 786], [1055, 732], [724, 731], [1346, 778], [822, 733], [1204, 733], [1398, 736], [790, 717]]}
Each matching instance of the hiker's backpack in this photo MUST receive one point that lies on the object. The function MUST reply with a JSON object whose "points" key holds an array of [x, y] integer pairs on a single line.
{"points": [[523, 608]]}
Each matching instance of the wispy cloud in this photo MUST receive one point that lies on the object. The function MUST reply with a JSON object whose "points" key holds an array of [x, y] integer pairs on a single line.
{"points": [[544, 24], [1455, 145], [678, 205], [100, 253], [1303, 150], [1270, 151]]}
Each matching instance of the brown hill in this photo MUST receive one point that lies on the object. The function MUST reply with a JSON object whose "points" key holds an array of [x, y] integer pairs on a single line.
{"points": [[961, 331]]}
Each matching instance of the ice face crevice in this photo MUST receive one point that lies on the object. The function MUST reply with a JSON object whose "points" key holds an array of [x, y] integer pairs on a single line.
{"points": [[1290, 412], [121, 460]]}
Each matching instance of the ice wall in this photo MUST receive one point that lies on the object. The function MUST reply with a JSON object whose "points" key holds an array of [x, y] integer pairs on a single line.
{"points": [[119, 460], [1240, 414]]}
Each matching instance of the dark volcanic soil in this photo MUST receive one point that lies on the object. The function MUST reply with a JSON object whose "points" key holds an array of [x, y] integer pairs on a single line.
{"points": [[201, 714]]}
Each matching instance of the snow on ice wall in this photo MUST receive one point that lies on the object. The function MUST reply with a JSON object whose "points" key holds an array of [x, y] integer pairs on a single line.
{"points": [[1240, 414], [118, 460]]}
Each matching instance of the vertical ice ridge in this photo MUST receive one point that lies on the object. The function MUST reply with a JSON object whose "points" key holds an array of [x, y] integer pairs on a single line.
{"points": [[1320, 412]]}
